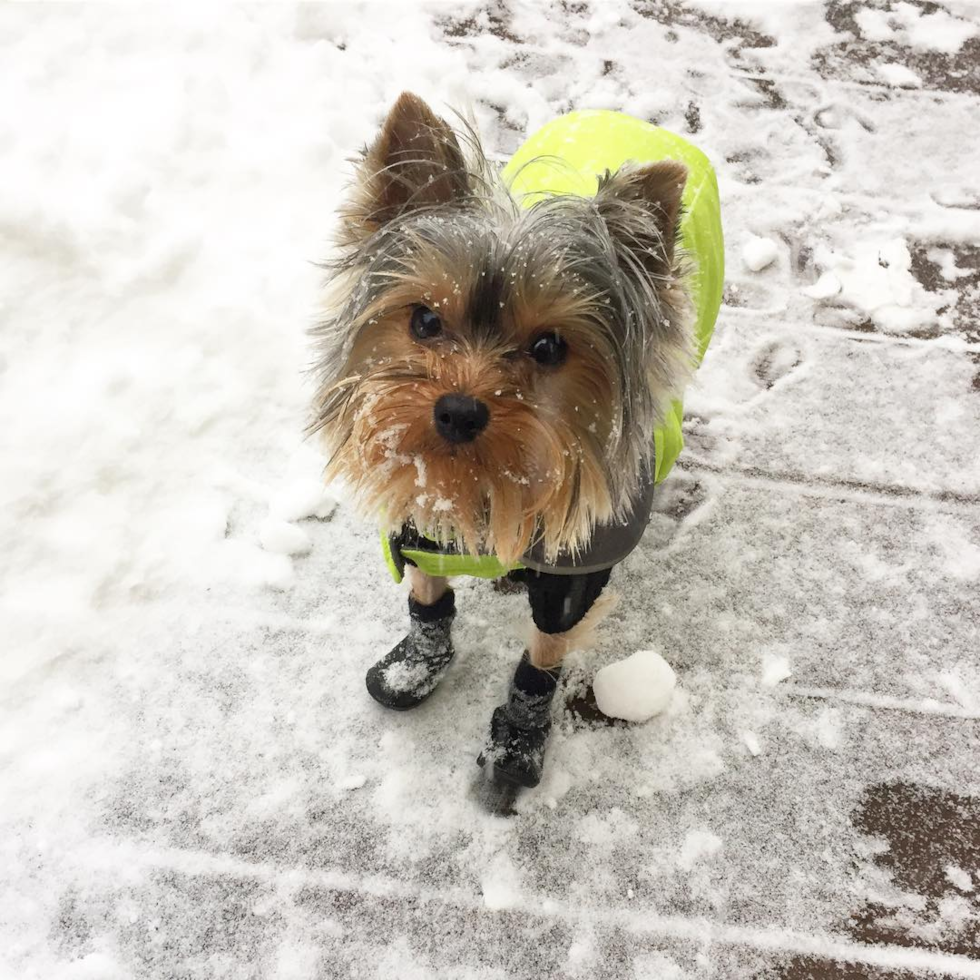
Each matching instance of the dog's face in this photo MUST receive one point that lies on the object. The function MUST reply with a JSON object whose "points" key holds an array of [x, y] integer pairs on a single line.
{"points": [[494, 373]]}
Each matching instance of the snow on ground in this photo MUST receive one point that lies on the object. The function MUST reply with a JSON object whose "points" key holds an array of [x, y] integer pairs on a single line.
{"points": [[194, 782]]}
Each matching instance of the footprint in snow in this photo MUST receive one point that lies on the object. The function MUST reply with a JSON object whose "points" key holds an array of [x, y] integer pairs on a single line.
{"points": [[773, 362], [679, 503], [680, 497]]}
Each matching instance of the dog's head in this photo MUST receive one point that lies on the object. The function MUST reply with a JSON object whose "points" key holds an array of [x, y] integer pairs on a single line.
{"points": [[491, 372]]}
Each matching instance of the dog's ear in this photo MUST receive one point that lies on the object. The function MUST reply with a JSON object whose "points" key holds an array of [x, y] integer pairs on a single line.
{"points": [[658, 188], [415, 162]]}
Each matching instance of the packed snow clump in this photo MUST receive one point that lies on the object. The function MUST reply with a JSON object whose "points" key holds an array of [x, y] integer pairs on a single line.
{"points": [[894, 73], [826, 286], [635, 689], [283, 538], [301, 499], [758, 253]]}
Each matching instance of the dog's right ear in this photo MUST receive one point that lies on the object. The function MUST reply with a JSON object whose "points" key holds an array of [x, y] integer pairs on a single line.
{"points": [[658, 189], [415, 162]]}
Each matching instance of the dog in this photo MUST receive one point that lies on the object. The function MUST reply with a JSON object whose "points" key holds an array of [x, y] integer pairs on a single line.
{"points": [[496, 357]]}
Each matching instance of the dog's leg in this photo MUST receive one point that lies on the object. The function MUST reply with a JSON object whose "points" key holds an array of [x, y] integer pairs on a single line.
{"points": [[410, 672], [546, 651], [426, 589], [519, 729]]}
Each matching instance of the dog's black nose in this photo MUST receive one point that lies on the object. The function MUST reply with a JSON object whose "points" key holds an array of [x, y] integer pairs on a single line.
{"points": [[460, 418]]}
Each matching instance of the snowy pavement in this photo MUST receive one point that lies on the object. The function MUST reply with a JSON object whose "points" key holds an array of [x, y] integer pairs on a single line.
{"points": [[193, 781]]}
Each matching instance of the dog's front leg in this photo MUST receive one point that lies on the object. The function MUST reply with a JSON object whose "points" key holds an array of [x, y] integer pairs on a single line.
{"points": [[425, 589], [409, 673], [519, 729]]}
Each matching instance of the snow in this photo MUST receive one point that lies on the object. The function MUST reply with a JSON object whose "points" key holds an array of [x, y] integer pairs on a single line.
{"points": [[657, 966], [283, 538], [826, 286], [960, 878], [751, 741], [581, 956], [352, 782], [907, 22], [194, 781], [876, 279], [698, 846], [757, 253], [775, 668], [501, 884], [893, 73], [635, 689], [946, 260], [302, 499]]}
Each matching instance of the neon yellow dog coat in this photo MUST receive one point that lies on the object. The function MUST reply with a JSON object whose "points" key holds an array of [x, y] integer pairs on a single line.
{"points": [[586, 144]]}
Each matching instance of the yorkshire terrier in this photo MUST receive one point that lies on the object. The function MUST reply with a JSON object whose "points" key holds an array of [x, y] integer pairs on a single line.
{"points": [[491, 371]]}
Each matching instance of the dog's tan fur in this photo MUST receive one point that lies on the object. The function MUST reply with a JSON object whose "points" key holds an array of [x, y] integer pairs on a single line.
{"points": [[493, 374], [548, 650], [537, 468], [426, 589], [564, 447]]}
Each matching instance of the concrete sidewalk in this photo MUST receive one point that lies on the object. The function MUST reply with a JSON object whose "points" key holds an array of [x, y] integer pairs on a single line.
{"points": [[207, 791]]}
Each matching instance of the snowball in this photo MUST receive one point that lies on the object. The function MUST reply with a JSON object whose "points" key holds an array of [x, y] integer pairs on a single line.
{"points": [[636, 688], [757, 253], [283, 538]]}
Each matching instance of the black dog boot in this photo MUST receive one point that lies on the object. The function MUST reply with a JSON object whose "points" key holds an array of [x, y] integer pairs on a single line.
{"points": [[519, 729], [410, 673]]}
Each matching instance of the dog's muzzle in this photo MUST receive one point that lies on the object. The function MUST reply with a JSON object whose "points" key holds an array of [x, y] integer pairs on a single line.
{"points": [[460, 418]]}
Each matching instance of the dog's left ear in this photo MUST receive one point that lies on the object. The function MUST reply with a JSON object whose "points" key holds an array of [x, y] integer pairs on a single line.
{"points": [[658, 187], [415, 162]]}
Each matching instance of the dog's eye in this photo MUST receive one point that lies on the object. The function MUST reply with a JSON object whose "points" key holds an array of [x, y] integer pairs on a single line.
{"points": [[549, 350], [425, 324]]}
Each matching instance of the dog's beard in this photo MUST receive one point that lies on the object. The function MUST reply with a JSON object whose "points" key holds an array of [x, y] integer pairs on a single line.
{"points": [[530, 476]]}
